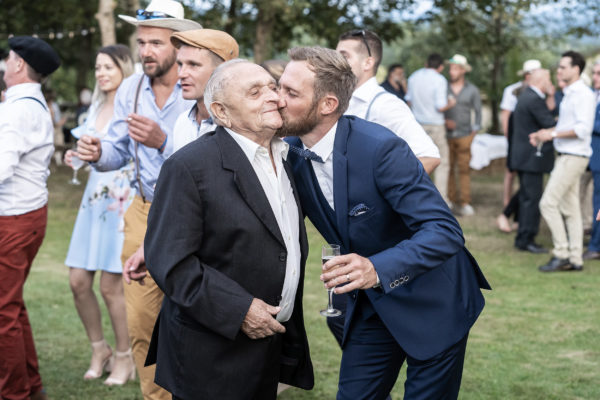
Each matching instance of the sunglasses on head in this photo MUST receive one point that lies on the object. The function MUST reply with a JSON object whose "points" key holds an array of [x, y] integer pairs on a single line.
{"points": [[361, 33], [142, 15]]}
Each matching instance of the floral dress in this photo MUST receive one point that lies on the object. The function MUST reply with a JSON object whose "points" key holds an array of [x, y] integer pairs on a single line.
{"points": [[97, 238]]}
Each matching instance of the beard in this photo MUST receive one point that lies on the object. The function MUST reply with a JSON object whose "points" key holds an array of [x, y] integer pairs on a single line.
{"points": [[160, 68], [301, 126]]}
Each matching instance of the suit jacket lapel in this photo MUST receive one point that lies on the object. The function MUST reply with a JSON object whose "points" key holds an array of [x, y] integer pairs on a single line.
{"points": [[247, 182], [340, 179]]}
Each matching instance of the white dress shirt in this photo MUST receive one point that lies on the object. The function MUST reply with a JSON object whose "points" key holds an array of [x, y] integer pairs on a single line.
{"points": [[577, 112], [279, 192], [509, 99], [427, 94], [393, 113], [187, 129], [26, 134]]}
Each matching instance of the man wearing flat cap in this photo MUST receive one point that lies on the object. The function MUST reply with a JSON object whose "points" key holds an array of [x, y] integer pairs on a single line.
{"points": [[146, 107], [200, 52], [26, 133]]}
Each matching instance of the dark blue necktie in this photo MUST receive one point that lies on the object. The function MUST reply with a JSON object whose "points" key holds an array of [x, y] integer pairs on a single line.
{"points": [[306, 154]]}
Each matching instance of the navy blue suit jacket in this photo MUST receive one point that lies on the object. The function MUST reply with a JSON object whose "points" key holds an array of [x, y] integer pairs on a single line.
{"points": [[430, 294]]}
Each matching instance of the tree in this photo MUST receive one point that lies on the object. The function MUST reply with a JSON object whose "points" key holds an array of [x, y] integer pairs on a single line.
{"points": [[106, 20]]}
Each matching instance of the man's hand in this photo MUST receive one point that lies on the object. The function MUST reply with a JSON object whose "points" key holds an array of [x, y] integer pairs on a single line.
{"points": [[260, 320], [68, 157], [145, 131], [541, 136], [135, 267], [358, 271], [89, 148]]}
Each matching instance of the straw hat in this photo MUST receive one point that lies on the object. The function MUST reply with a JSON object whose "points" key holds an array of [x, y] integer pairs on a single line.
{"points": [[461, 60], [529, 66], [166, 14]]}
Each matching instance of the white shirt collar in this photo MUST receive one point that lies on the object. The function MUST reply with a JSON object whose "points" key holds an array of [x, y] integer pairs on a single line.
{"points": [[365, 91], [574, 86], [538, 91], [24, 90], [249, 147], [324, 147]]}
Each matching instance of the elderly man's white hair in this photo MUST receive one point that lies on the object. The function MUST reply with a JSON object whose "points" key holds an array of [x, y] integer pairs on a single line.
{"points": [[216, 84]]}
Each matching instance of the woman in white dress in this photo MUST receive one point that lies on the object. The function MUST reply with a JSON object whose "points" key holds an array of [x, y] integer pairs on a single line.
{"points": [[97, 237]]}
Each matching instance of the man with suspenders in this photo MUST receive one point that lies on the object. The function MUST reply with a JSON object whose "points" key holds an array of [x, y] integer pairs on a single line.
{"points": [[26, 131]]}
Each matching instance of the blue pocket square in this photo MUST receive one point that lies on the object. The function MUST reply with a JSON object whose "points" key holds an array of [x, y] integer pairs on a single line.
{"points": [[358, 210]]}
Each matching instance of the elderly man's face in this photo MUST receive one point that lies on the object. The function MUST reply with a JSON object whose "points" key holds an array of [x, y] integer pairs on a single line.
{"points": [[156, 51], [297, 104], [251, 99], [195, 67]]}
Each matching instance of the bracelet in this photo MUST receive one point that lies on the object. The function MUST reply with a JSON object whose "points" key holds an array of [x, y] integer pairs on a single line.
{"points": [[162, 146]]}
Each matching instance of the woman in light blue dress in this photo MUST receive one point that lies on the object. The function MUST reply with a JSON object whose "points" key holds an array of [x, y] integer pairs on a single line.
{"points": [[97, 237]]}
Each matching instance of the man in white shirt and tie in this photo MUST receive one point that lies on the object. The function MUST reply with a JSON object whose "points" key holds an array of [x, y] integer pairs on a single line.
{"points": [[560, 205]]}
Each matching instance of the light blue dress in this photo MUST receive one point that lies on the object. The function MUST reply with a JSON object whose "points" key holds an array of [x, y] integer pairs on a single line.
{"points": [[97, 238]]}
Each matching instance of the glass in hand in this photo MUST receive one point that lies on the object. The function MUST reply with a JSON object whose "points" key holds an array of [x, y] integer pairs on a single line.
{"points": [[76, 163], [538, 149], [327, 253]]}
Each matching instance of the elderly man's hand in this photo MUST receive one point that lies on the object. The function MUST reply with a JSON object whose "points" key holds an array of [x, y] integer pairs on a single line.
{"points": [[260, 320], [358, 272], [145, 131], [134, 268], [89, 148]]}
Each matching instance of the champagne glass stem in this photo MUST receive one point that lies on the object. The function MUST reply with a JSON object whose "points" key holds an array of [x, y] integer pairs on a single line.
{"points": [[330, 303], [74, 175]]}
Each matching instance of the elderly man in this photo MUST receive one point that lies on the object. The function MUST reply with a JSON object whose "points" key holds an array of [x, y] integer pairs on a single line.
{"points": [[146, 107], [572, 137], [460, 131], [414, 290], [230, 256], [200, 52], [26, 131]]}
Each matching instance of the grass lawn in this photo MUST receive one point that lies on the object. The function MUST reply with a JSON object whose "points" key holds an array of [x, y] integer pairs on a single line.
{"points": [[537, 338]]}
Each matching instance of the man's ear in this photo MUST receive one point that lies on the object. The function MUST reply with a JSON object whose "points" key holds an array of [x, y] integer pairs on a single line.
{"points": [[369, 64], [220, 113], [328, 104]]}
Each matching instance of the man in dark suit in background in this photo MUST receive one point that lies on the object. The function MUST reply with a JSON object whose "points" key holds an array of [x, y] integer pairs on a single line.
{"points": [[413, 289], [226, 244], [530, 115]]}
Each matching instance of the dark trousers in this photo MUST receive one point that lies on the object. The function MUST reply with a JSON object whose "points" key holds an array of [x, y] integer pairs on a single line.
{"points": [[20, 239], [531, 188], [372, 360], [512, 208], [594, 244]]}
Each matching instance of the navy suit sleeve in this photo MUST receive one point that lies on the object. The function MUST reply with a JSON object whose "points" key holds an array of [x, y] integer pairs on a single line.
{"points": [[435, 233], [173, 240]]}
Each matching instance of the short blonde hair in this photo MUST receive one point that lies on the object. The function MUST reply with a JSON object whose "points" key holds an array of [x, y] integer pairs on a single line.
{"points": [[333, 74]]}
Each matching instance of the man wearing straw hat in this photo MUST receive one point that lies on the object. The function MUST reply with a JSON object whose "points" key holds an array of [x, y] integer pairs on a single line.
{"points": [[146, 107]]}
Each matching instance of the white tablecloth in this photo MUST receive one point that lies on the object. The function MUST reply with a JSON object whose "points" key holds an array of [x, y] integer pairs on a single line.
{"points": [[485, 148]]}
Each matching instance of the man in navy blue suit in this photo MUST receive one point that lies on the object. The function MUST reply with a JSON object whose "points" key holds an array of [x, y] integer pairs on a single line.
{"points": [[413, 290]]}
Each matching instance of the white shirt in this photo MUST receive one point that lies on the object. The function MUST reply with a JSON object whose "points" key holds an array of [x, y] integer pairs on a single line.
{"points": [[509, 100], [187, 129], [278, 189], [324, 170], [577, 112], [427, 93], [26, 134], [393, 113]]}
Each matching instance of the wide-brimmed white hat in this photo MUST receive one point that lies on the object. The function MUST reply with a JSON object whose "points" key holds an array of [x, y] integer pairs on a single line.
{"points": [[461, 60], [166, 14], [529, 66]]}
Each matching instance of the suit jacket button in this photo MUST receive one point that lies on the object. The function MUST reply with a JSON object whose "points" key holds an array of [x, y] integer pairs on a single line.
{"points": [[392, 285], [282, 257], [396, 282]]}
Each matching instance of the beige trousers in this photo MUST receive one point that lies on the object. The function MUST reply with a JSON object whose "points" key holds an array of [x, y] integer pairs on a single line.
{"points": [[561, 209], [142, 302], [441, 173]]}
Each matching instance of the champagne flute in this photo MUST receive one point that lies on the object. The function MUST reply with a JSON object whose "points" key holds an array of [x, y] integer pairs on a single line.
{"points": [[76, 163], [327, 253], [538, 148]]}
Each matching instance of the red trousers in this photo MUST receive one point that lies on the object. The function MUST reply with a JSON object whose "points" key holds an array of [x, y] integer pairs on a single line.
{"points": [[20, 238]]}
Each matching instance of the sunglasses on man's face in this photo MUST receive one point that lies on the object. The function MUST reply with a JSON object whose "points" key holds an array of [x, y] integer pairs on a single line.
{"points": [[142, 15], [361, 33]]}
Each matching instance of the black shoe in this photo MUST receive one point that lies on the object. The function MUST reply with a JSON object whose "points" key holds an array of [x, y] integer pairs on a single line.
{"points": [[574, 267], [555, 264], [533, 248], [591, 255]]}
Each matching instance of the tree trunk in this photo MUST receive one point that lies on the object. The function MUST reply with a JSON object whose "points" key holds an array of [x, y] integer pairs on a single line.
{"points": [[106, 21], [263, 46]]}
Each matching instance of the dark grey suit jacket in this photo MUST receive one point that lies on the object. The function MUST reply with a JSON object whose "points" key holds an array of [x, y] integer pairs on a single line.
{"points": [[531, 114], [212, 245]]}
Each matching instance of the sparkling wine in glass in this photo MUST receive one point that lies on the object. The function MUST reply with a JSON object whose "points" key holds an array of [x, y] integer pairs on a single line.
{"points": [[327, 253], [538, 149], [76, 163]]}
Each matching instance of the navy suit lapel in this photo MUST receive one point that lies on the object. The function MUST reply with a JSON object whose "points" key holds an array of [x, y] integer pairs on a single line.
{"points": [[340, 179], [247, 182]]}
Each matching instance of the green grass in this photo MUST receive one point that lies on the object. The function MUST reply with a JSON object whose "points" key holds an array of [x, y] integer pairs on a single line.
{"points": [[537, 338]]}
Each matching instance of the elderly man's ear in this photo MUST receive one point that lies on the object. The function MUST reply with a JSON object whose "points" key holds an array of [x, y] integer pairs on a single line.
{"points": [[220, 113], [328, 104]]}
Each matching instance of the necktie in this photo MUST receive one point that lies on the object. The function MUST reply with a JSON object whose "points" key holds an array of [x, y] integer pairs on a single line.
{"points": [[306, 154]]}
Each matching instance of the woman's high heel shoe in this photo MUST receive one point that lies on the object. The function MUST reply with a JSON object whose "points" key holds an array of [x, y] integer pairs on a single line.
{"points": [[123, 369], [95, 371]]}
